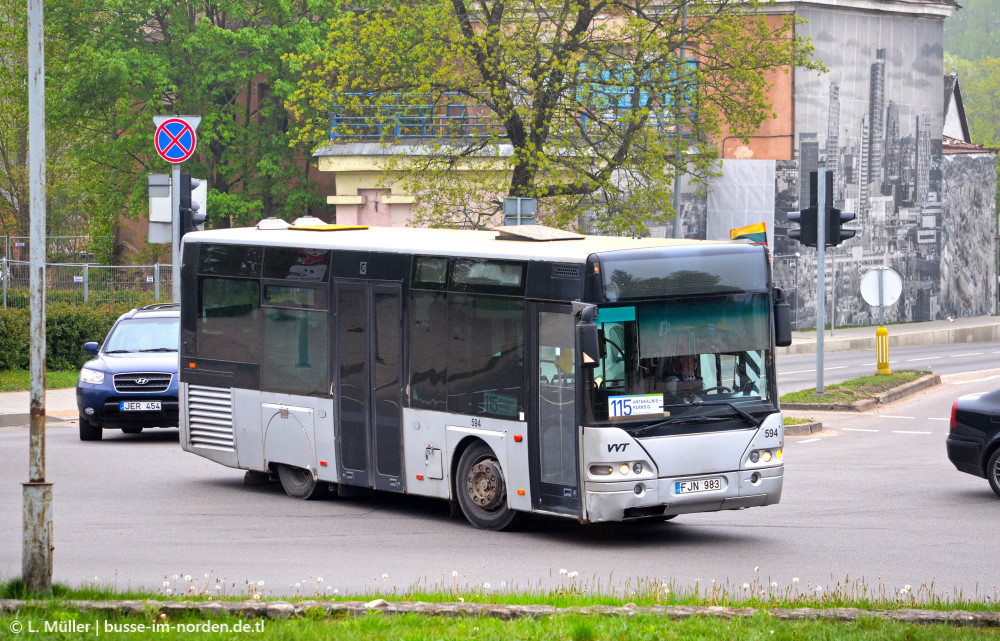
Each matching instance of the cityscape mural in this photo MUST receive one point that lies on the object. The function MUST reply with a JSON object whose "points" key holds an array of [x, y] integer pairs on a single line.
{"points": [[875, 122]]}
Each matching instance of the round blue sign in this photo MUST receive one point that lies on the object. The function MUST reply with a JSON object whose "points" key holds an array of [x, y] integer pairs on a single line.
{"points": [[175, 140]]}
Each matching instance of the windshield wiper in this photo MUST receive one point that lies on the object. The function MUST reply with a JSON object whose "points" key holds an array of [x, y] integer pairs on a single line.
{"points": [[159, 349], [678, 419], [750, 418], [745, 415], [118, 351]]}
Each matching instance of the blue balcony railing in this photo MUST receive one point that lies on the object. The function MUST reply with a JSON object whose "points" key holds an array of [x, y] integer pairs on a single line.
{"points": [[454, 116]]}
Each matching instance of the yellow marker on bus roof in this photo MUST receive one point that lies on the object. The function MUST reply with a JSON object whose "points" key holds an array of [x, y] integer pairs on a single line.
{"points": [[328, 227]]}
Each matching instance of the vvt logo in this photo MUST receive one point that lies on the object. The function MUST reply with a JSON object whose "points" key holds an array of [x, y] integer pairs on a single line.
{"points": [[617, 447]]}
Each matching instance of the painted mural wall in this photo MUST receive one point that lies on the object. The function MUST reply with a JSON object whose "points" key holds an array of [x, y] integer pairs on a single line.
{"points": [[875, 121]]}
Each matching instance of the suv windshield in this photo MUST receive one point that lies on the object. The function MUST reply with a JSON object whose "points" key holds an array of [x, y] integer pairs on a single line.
{"points": [[144, 335], [691, 356]]}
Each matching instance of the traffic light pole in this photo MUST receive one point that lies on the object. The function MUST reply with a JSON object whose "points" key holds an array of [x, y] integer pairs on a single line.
{"points": [[820, 276], [175, 216]]}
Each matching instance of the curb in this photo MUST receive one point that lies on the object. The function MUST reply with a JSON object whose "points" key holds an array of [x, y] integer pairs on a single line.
{"points": [[803, 429], [865, 405], [284, 609], [986, 333]]}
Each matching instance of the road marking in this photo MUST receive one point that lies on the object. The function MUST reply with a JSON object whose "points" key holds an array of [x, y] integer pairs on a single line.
{"points": [[809, 440], [938, 419], [809, 371], [909, 432], [926, 358], [908, 418], [970, 354], [857, 429]]}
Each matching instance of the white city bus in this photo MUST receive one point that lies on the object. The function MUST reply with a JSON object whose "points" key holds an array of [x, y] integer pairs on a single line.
{"points": [[513, 371]]}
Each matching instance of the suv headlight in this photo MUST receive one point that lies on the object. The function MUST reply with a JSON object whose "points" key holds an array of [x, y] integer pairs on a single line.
{"points": [[91, 376]]}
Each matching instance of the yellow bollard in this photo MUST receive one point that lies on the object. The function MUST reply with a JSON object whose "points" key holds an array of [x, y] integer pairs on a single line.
{"points": [[882, 350]]}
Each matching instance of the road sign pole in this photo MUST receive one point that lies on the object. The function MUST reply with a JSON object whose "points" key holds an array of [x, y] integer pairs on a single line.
{"points": [[175, 208], [820, 275]]}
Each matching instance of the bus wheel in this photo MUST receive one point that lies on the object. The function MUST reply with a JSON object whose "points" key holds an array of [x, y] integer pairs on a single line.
{"points": [[481, 490], [299, 483]]}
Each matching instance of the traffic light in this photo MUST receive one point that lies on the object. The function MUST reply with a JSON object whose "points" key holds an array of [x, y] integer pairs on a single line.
{"points": [[834, 220], [806, 234], [191, 217]]}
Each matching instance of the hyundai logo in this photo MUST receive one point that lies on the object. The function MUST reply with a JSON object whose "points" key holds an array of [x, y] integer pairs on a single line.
{"points": [[141, 381]]}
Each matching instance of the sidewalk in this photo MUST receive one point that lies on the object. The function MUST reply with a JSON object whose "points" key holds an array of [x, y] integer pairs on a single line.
{"points": [[60, 404], [981, 329], [15, 407]]}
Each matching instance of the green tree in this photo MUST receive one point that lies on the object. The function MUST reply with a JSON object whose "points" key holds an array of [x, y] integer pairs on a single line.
{"points": [[581, 101], [973, 32], [65, 212], [222, 60]]}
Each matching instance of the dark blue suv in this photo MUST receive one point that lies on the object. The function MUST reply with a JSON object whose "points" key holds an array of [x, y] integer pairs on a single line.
{"points": [[132, 382]]}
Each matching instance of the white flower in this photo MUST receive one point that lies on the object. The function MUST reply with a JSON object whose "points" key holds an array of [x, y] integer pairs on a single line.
{"points": [[756, 569], [774, 584], [217, 587], [572, 574], [455, 574], [166, 584], [298, 585], [746, 586], [486, 586], [503, 584], [176, 576], [819, 588], [795, 580], [187, 577], [260, 584], [319, 580], [385, 576], [256, 597], [563, 571], [906, 588], [336, 591]]}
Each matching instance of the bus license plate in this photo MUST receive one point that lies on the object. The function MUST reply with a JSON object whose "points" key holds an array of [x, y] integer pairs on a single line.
{"points": [[713, 484], [139, 406]]}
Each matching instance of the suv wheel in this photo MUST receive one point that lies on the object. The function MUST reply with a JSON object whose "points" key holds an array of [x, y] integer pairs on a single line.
{"points": [[88, 431]]}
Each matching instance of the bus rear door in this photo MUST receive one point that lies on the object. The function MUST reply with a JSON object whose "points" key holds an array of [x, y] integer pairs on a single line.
{"points": [[367, 395]]}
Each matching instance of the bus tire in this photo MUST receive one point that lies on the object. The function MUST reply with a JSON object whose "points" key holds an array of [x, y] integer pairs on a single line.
{"points": [[299, 483], [482, 490], [89, 431]]}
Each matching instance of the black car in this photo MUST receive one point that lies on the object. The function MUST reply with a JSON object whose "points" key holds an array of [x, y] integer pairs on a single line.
{"points": [[974, 439], [132, 381]]}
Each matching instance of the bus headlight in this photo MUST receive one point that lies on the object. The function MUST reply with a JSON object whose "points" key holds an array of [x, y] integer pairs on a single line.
{"points": [[623, 469]]}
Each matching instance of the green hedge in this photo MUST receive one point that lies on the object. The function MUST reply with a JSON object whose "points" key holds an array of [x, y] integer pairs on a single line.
{"points": [[21, 297], [67, 328]]}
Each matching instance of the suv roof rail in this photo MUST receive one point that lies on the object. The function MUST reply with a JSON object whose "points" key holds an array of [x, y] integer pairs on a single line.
{"points": [[160, 305]]}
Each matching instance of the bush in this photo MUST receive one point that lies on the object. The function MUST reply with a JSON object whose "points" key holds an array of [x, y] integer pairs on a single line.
{"points": [[67, 328]]}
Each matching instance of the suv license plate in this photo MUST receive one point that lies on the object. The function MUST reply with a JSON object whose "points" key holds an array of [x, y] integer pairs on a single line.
{"points": [[139, 406], [713, 484]]}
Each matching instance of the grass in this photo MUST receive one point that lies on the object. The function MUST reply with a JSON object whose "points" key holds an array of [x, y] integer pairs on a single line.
{"points": [[795, 420], [572, 627], [66, 621], [19, 380], [856, 389]]}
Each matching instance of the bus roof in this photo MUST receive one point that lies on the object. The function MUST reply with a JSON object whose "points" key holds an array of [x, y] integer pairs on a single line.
{"points": [[442, 242]]}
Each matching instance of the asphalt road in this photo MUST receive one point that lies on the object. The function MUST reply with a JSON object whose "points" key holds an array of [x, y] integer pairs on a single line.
{"points": [[796, 372], [871, 501]]}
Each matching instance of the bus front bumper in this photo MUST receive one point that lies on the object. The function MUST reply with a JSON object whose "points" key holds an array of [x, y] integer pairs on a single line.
{"points": [[652, 498]]}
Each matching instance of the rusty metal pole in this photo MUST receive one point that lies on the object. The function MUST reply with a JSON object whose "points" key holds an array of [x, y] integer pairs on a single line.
{"points": [[36, 555]]}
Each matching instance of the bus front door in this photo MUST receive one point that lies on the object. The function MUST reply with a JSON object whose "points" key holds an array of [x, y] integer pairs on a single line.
{"points": [[367, 395], [554, 432]]}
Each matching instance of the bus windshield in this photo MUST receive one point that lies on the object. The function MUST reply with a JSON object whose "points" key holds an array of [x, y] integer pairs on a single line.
{"points": [[660, 358]]}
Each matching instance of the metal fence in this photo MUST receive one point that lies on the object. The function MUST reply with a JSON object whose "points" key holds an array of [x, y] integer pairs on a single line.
{"points": [[82, 283]]}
